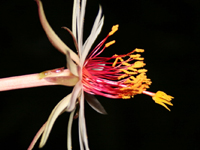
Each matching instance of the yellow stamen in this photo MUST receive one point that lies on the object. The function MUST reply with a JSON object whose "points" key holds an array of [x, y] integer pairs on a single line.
{"points": [[109, 43], [125, 97], [128, 72], [142, 70], [135, 79], [132, 69], [114, 29], [139, 64], [135, 85], [162, 98], [132, 77], [136, 57], [139, 50], [125, 63], [116, 60], [122, 76]]}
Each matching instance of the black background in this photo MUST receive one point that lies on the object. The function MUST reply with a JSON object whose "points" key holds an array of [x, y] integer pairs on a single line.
{"points": [[168, 30]]}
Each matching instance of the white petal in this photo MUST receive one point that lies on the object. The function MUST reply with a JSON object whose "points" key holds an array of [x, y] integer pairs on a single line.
{"points": [[69, 128], [94, 103], [80, 25], [75, 94], [53, 116], [71, 65], [53, 38], [74, 18], [96, 29], [83, 139]]}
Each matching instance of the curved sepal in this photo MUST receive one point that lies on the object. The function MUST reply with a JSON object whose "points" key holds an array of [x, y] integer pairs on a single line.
{"points": [[53, 38], [73, 37], [60, 107], [37, 136]]}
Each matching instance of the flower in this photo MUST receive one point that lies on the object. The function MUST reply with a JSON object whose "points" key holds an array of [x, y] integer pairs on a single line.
{"points": [[119, 76]]}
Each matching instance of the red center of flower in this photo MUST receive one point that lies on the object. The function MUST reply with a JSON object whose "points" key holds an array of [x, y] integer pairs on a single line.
{"points": [[119, 76]]}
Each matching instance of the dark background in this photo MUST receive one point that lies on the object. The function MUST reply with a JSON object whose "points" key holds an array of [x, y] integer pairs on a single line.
{"points": [[168, 30]]}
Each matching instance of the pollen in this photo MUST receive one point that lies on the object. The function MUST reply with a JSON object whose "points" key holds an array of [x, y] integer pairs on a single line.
{"points": [[109, 43], [132, 68], [136, 57], [139, 64], [139, 50], [128, 72], [114, 29], [131, 74], [116, 60], [122, 76], [142, 70]]}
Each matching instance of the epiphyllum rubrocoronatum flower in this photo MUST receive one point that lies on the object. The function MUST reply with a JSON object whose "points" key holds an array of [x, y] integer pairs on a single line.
{"points": [[119, 76]]}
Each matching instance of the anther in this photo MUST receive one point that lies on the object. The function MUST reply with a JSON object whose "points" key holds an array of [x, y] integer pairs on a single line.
{"points": [[109, 43], [139, 50], [114, 29]]}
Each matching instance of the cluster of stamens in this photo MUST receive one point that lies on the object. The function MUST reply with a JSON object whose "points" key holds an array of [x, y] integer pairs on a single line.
{"points": [[119, 76], [133, 75]]}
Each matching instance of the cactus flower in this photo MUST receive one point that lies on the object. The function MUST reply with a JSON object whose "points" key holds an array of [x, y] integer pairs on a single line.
{"points": [[119, 77]]}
